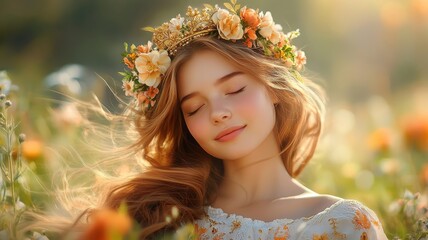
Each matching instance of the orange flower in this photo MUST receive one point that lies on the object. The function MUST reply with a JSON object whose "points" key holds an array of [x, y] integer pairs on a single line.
{"points": [[128, 63], [151, 92], [32, 149], [320, 237], [250, 17], [424, 175], [380, 139], [415, 130], [251, 33], [145, 48], [248, 43], [105, 223], [281, 234], [361, 221]]}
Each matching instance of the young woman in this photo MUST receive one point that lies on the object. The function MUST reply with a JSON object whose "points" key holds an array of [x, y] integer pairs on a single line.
{"points": [[225, 123]]}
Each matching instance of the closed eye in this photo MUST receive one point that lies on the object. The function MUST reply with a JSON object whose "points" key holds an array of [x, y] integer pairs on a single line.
{"points": [[192, 113], [240, 90]]}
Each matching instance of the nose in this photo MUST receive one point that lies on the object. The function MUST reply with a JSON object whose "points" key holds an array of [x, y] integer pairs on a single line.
{"points": [[220, 114]]}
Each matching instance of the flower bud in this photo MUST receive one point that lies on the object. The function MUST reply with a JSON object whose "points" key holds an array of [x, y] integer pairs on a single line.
{"points": [[8, 103], [21, 138]]}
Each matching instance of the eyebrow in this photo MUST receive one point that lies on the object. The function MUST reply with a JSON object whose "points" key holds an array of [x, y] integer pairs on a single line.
{"points": [[217, 82]]}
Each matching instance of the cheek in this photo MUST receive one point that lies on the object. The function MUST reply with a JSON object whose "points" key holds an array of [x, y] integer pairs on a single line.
{"points": [[197, 128], [254, 104]]}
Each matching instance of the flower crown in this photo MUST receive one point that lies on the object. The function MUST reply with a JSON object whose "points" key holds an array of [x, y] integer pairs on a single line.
{"points": [[146, 64]]}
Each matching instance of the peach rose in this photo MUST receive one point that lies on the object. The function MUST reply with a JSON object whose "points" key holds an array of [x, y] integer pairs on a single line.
{"points": [[269, 29], [151, 66], [250, 16], [229, 25]]}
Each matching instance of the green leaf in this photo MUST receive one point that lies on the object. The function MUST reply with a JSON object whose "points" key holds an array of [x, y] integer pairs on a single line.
{"points": [[209, 6], [148, 29], [237, 7], [126, 46], [229, 6], [123, 74], [233, 2]]}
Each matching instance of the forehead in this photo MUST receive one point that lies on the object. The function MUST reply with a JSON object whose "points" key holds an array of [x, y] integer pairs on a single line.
{"points": [[202, 70]]}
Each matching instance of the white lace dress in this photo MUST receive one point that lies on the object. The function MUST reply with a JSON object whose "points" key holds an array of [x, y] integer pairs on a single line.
{"points": [[345, 219]]}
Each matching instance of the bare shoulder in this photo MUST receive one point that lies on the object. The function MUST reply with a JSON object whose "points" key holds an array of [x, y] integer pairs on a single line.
{"points": [[320, 202]]}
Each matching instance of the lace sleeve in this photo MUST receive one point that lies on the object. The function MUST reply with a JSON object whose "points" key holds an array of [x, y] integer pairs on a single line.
{"points": [[356, 221]]}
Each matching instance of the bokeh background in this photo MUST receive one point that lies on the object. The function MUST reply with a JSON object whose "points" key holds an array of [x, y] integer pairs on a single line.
{"points": [[370, 55]]}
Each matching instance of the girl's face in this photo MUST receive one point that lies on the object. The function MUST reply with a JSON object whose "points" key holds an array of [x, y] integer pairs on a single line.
{"points": [[228, 112]]}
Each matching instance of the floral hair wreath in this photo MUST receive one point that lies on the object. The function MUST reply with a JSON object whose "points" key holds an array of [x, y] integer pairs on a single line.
{"points": [[146, 64]]}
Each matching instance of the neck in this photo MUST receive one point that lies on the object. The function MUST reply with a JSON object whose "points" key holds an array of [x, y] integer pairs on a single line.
{"points": [[260, 176]]}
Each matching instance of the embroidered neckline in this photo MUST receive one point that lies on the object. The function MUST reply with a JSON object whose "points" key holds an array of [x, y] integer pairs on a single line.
{"points": [[216, 213]]}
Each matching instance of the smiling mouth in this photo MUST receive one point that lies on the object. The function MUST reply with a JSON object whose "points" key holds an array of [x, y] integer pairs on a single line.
{"points": [[229, 134]]}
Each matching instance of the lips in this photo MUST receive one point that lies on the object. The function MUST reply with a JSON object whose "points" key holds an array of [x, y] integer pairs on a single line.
{"points": [[229, 133]]}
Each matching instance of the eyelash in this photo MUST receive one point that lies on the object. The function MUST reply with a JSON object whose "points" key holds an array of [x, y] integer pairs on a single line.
{"points": [[192, 113]]}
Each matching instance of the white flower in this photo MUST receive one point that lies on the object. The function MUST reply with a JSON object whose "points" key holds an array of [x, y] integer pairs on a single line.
{"points": [[151, 66], [128, 87], [176, 24], [229, 25]]}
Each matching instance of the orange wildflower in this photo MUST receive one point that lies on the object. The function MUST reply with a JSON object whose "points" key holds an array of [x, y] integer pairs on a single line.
{"points": [[128, 63], [105, 223], [380, 139], [250, 17], [361, 221], [415, 130], [32, 149], [424, 175]]}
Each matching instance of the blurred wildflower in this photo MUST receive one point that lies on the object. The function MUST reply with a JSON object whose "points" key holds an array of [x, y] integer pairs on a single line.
{"points": [[412, 211], [107, 224], [5, 83], [390, 166], [32, 149], [415, 130], [186, 232], [380, 140], [420, 9], [11, 167], [424, 175], [37, 236], [392, 14], [67, 116]]}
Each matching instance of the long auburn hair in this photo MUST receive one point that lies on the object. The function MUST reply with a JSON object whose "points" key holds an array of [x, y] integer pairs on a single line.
{"points": [[181, 173]]}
